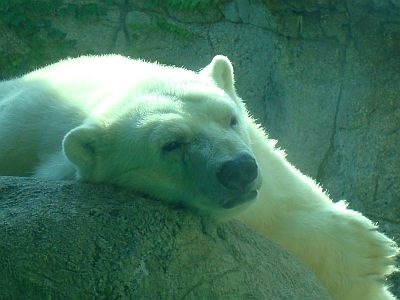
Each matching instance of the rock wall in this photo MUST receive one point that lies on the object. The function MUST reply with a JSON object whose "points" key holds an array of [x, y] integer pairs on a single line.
{"points": [[322, 76]]}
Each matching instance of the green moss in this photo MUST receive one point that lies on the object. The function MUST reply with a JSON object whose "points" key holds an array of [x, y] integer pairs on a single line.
{"points": [[31, 22], [179, 31], [160, 23], [191, 5]]}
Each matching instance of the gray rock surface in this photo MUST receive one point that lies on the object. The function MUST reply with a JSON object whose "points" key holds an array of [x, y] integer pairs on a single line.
{"points": [[60, 240], [322, 77]]}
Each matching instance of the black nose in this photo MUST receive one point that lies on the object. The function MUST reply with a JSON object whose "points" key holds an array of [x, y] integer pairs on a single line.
{"points": [[238, 173]]}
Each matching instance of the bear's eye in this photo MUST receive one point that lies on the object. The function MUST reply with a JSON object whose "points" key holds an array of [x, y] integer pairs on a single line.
{"points": [[171, 146], [234, 122]]}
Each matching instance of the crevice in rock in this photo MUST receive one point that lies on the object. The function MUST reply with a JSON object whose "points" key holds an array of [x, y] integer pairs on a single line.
{"points": [[329, 152], [264, 97], [331, 148], [280, 34], [376, 185], [375, 190], [123, 12], [269, 92], [209, 40]]}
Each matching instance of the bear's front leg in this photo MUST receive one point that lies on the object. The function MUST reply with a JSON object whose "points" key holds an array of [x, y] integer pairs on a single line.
{"points": [[365, 255], [342, 247], [358, 256]]}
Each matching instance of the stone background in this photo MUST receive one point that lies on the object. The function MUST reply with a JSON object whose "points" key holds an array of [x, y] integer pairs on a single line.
{"points": [[321, 75]]}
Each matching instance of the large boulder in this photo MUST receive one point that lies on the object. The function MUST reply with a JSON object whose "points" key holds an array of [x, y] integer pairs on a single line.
{"points": [[62, 240]]}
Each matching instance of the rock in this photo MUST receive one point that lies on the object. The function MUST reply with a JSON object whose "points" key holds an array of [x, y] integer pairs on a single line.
{"points": [[65, 240]]}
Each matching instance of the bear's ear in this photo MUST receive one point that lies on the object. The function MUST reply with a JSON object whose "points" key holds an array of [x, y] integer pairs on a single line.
{"points": [[221, 71], [80, 146]]}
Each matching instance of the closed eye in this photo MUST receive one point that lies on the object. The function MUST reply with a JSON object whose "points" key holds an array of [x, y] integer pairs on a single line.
{"points": [[233, 122], [171, 146]]}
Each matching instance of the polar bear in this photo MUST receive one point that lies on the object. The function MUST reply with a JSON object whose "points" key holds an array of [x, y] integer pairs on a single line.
{"points": [[185, 137]]}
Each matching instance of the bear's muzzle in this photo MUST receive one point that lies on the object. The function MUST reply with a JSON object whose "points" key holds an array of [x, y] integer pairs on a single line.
{"points": [[239, 175]]}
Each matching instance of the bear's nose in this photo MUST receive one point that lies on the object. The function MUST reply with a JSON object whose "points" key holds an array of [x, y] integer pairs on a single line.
{"points": [[238, 173]]}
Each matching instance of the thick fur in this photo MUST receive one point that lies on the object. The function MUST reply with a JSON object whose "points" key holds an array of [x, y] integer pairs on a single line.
{"points": [[166, 132]]}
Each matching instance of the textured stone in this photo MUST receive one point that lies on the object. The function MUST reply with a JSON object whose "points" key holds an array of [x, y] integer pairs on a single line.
{"points": [[67, 241], [247, 12], [92, 36]]}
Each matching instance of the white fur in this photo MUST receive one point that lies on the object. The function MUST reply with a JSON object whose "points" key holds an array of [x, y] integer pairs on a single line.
{"points": [[107, 119]]}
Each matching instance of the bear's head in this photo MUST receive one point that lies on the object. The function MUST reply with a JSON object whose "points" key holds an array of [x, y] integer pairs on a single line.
{"points": [[175, 135]]}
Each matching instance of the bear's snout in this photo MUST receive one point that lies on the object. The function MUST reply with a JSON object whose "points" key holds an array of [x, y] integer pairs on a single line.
{"points": [[238, 173]]}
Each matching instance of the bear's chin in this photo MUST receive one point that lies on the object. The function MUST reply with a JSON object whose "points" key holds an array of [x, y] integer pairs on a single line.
{"points": [[250, 196]]}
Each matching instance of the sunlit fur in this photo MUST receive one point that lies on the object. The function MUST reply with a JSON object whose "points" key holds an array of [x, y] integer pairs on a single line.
{"points": [[108, 119]]}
